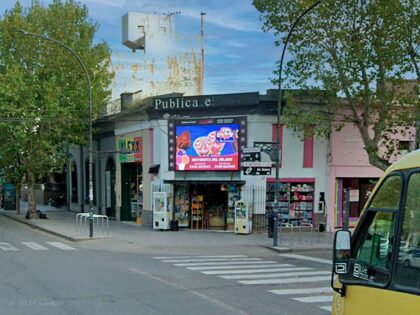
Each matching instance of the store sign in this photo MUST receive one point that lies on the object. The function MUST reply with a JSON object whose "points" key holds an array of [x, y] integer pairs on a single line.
{"points": [[251, 154], [354, 195], [257, 168], [204, 102], [130, 149], [207, 144]]}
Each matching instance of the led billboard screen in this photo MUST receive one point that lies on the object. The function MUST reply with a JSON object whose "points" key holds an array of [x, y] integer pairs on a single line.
{"points": [[208, 145]]}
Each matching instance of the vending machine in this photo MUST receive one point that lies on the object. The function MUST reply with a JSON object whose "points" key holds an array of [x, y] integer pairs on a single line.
{"points": [[161, 212], [243, 221]]}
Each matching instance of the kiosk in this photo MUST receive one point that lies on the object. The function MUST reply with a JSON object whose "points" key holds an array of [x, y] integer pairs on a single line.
{"points": [[243, 222], [161, 213]]}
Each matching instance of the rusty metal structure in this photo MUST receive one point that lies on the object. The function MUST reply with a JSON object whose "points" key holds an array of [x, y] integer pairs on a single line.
{"points": [[161, 61]]}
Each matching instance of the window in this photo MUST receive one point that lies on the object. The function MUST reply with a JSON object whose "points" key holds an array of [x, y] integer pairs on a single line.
{"points": [[407, 274], [373, 256]]}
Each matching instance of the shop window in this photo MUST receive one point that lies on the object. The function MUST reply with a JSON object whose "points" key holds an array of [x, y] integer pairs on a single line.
{"points": [[409, 249], [296, 202]]}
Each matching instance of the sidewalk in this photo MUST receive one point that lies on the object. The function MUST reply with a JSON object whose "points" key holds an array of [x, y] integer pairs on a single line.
{"points": [[62, 223]]}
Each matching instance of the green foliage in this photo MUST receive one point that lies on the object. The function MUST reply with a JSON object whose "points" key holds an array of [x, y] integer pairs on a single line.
{"points": [[360, 54], [43, 89]]}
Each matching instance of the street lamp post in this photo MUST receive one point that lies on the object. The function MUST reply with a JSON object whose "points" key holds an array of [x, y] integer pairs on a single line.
{"points": [[71, 51], [279, 114]]}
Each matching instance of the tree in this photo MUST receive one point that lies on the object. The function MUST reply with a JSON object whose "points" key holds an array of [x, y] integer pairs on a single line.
{"points": [[359, 54], [43, 93]]}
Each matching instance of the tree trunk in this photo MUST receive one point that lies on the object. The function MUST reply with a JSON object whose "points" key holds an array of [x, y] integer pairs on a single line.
{"points": [[18, 187], [32, 214]]}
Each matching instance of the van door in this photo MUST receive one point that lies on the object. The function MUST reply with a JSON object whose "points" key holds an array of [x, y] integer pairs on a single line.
{"points": [[383, 278], [370, 265]]}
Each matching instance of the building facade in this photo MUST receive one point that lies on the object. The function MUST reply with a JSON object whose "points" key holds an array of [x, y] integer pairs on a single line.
{"points": [[192, 148]]}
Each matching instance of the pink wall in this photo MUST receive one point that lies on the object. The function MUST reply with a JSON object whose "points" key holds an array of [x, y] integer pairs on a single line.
{"points": [[347, 159]]}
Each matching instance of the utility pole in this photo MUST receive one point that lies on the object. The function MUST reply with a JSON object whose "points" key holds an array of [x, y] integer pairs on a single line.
{"points": [[202, 47], [279, 114]]}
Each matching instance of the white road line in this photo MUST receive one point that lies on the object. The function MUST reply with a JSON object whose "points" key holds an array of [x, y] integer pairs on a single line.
{"points": [[8, 247], [186, 257], [34, 246], [302, 291], [327, 308], [315, 299], [245, 271], [301, 257], [232, 267], [61, 246], [278, 275], [286, 281], [224, 263], [209, 260]]}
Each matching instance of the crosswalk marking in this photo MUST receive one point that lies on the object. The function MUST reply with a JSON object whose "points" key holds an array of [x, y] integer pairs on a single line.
{"points": [[301, 291], [34, 246], [277, 275], [256, 271], [245, 271], [209, 260], [187, 257], [301, 257], [61, 246], [225, 263], [286, 281], [233, 267], [8, 247], [314, 299]]}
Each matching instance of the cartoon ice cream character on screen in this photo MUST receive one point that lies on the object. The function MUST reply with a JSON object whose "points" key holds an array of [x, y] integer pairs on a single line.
{"points": [[182, 159]]}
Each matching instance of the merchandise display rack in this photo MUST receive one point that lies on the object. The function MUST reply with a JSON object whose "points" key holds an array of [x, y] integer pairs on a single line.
{"points": [[296, 202]]}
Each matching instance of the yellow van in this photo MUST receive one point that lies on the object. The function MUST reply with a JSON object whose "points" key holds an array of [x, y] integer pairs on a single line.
{"points": [[377, 269]]}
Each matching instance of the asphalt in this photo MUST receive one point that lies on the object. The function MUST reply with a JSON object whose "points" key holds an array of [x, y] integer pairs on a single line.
{"points": [[62, 223]]}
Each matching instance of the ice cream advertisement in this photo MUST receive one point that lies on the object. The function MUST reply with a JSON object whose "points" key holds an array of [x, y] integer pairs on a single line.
{"points": [[207, 147]]}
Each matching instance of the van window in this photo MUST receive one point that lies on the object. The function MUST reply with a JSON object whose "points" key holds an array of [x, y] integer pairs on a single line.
{"points": [[373, 256], [407, 273]]}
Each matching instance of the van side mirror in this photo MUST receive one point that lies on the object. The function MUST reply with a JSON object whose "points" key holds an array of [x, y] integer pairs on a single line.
{"points": [[342, 248]]}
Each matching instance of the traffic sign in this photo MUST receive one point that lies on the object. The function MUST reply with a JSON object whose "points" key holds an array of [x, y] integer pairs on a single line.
{"points": [[257, 164], [251, 154], [248, 170]]}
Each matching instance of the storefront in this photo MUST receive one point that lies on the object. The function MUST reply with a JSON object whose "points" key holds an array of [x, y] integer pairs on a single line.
{"points": [[296, 200], [359, 190], [131, 163], [206, 204], [207, 150]]}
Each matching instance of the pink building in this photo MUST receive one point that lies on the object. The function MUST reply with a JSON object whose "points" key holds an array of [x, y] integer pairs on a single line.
{"points": [[349, 168]]}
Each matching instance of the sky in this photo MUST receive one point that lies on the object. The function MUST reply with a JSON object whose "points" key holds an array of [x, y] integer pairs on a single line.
{"points": [[239, 56]]}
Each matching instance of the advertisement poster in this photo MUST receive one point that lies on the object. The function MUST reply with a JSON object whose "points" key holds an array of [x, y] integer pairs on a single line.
{"points": [[209, 145]]}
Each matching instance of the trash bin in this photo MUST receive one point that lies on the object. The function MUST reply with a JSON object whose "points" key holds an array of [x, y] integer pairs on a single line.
{"points": [[270, 225], [174, 225], [321, 227]]}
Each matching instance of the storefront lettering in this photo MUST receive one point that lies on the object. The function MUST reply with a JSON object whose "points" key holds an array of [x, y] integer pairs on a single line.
{"points": [[181, 103], [130, 149]]}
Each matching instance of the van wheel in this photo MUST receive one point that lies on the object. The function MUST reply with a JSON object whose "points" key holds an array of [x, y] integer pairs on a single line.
{"points": [[407, 263]]}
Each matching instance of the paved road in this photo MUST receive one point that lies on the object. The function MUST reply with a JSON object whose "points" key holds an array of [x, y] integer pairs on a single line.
{"points": [[42, 274]]}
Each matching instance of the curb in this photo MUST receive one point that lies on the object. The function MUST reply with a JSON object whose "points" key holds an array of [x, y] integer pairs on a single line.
{"points": [[40, 228], [295, 250]]}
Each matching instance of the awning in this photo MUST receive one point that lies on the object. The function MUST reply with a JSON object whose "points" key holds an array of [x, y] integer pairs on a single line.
{"points": [[204, 182]]}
